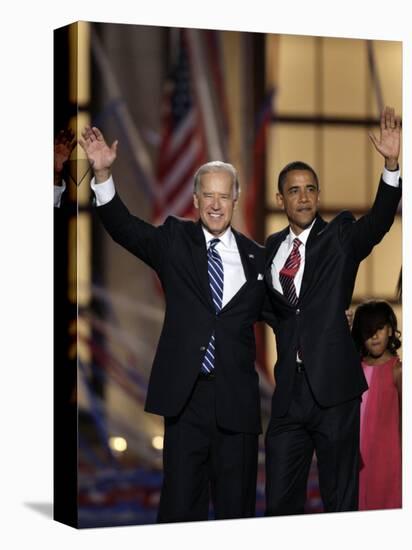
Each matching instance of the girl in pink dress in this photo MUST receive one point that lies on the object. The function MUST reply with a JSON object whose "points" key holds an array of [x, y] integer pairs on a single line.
{"points": [[378, 339]]}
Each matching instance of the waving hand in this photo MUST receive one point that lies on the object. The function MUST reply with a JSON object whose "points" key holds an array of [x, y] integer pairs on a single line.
{"points": [[99, 154], [388, 143]]}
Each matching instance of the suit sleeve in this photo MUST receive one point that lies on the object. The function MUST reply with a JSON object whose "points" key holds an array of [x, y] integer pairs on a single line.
{"points": [[361, 235], [268, 313], [149, 243]]}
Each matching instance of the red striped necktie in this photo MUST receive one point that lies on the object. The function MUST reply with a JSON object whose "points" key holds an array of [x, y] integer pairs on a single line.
{"points": [[288, 272]]}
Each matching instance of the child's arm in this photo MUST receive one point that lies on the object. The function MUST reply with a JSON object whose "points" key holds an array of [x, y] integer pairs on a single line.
{"points": [[397, 378]]}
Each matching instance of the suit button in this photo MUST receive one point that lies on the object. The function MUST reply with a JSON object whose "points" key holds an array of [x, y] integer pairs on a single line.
{"points": [[202, 348], [298, 311]]}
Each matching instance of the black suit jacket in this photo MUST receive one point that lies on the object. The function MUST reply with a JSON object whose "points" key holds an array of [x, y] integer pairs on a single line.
{"points": [[177, 252], [317, 325]]}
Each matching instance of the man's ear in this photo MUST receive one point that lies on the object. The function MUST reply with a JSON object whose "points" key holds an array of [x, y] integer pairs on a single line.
{"points": [[279, 200], [195, 201]]}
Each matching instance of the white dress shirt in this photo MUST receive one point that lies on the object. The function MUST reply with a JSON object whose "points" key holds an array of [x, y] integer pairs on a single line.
{"points": [[104, 192], [389, 177], [233, 274], [58, 192], [282, 254]]}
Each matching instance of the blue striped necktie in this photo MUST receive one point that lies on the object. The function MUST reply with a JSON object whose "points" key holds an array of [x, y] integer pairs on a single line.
{"points": [[215, 271]]}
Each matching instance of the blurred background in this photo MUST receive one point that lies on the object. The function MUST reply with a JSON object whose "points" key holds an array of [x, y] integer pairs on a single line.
{"points": [[175, 98]]}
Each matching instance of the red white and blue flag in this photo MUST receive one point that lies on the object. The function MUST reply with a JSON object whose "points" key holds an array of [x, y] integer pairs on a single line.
{"points": [[182, 148]]}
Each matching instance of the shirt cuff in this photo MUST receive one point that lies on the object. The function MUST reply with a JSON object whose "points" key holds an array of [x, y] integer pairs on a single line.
{"points": [[58, 192], [104, 191], [391, 177]]}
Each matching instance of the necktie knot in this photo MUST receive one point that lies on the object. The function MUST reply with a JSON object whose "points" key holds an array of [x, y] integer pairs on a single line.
{"points": [[296, 243], [213, 243]]}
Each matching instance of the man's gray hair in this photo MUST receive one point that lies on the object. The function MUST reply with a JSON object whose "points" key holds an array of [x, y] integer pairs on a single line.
{"points": [[217, 166]]}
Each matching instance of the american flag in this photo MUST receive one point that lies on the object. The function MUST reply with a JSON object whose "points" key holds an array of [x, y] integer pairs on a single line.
{"points": [[259, 161], [183, 147]]}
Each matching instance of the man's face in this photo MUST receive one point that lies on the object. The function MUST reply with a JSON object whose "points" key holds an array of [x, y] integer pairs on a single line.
{"points": [[299, 199], [215, 201]]}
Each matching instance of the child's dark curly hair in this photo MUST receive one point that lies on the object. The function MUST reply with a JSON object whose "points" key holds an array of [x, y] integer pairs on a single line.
{"points": [[371, 316]]}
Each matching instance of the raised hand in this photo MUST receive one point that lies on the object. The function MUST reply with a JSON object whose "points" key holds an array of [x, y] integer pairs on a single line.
{"points": [[99, 154], [64, 144], [388, 145]]}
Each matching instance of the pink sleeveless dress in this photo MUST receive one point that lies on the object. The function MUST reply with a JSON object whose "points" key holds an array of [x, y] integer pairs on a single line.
{"points": [[380, 478]]}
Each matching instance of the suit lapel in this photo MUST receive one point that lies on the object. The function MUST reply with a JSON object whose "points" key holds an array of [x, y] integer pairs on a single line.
{"points": [[247, 258], [311, 254], [273, 247], [199, 257]]}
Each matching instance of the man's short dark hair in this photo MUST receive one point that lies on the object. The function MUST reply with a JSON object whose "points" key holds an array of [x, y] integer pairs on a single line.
{"points": [[295, 165]]}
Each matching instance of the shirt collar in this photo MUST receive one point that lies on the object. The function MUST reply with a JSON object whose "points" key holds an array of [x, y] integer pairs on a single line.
{"points": [[226, 239], [303, 237]]}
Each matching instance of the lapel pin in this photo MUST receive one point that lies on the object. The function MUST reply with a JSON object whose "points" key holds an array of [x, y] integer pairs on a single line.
{"points": [[251, 255]]}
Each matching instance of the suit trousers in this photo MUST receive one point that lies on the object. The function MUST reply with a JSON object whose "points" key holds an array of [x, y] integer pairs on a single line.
{"points": [[333, 433], [201, 459]]}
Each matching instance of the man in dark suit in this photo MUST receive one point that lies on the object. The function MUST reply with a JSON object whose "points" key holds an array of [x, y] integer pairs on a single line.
{"points": [[203, 380], [310, 272]]}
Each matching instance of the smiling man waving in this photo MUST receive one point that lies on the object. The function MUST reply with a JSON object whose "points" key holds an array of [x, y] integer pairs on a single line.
{"points": [[311, 269], [203, 381]]}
